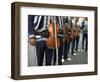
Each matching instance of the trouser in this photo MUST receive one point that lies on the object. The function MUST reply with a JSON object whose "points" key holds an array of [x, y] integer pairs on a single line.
{"points": [[85, 37], [59, 56], [66, 49], [73, 46], [60, 53], [42, 49], [54, 56], [77, 42]]}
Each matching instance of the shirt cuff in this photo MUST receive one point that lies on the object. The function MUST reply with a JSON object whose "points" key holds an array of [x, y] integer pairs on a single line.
{"points": [[32, 36]]}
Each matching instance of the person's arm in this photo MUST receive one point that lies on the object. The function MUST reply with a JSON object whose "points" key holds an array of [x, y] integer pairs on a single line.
{"points": [[31, 31]]}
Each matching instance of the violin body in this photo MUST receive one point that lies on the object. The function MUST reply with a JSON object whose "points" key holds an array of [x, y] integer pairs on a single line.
{"points": [[65, 32], [78, 31], [53, 41], [70, 34]]}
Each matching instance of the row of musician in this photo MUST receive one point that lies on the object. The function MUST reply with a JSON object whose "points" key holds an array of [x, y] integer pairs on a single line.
{"points": [[52, 36]]}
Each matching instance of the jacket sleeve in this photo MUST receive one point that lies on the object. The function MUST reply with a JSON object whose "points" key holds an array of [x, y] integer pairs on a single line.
{"points": [[57, 19], [31, 31]]}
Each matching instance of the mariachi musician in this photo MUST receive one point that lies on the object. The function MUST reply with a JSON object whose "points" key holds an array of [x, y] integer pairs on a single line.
{"points": [[42, 34], [78, 30], [54, 41], [38, 34], [84, 28], [61, 36], [62, 49], [74, 33], [66, 41]]}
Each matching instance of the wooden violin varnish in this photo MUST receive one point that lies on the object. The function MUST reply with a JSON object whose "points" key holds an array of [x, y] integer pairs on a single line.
{"points": [[53, 28]]}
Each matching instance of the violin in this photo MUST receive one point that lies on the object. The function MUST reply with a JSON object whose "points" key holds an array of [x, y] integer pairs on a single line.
{"points": [[73, 31], [65, 32], [76, 30], [53, 41]]}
